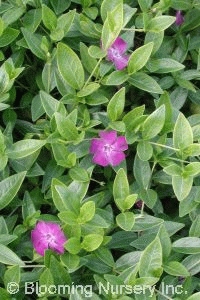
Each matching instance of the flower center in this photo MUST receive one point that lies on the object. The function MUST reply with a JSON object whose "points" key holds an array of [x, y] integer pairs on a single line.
{"points": [[115, 53], [108, 148], [50, 238]]}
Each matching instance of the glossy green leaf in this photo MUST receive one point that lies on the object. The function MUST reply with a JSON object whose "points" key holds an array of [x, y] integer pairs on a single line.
{"points": [[34, 42], [182, 135], [187, 245], [160, 23], [142, 172], [87, 212], [116, 105], [66, 127], [154, 123], [70, 66], [112, 25], [139, 58], [150, 264], [9, 188], [48, 17], [24, 148], [175, 268], [120, 188], [182, 186], [144, 150], [8, 36], [125, 220], [73, 245], [164, 65], [91, 242], [145, 82], [8, 257]]}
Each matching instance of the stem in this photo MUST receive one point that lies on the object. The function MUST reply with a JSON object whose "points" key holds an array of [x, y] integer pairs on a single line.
{"points": [[133, 29], [180, 160], [164, 146], [33, 266], [87, 81]]}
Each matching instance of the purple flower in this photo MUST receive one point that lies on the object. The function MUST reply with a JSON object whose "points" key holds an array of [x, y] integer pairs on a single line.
{"points": [[108, 149], [116, 53], [48, 235], [179, 18]]}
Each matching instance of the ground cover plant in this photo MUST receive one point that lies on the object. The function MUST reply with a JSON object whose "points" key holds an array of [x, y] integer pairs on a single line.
{"points": [[99, 149]]}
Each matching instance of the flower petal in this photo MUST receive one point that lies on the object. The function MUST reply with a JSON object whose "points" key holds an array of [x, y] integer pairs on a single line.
{"points": [[108, 137], [121, 62], [96, 145], [179, 18], [115, 158], [100, 159], [120, 144], [120, 45], [58, 248]]}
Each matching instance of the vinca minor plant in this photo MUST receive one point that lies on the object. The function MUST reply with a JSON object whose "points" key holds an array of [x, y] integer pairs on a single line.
{"points": [[100, 149]]}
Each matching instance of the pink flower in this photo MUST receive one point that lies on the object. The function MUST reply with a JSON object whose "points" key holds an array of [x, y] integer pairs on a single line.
{"points": [[108, 149], [116, 53], [179, 18], [48, 235]]}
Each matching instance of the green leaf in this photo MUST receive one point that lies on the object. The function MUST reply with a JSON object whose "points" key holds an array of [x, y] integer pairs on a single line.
{"points": [[71, 261], [73, 245], [192, 263], [34, 42], [187, 245], [164, 65], [175, 268], [88, 89], [112, 25], [79, 174], [60, 6], [116, 105], [173, 170], [107, 6], [160, 23], [194, 296], [8, 257], [116, 78], [144, 150], [154, 123], [195, 228], [66, 127], [145, 82], [12, 275], [91, 242], [24, 148], [48, 17], [8, 36], [87, 212], [139, 58], [149, 197], [145, 4], [70, 67], [192, 150], [182, 134], [46, 278], [63, 198], [142, 172], [9, 188], [192, 169], [182, 186], [150, 264], [120, 188], [50, 104], [125, 220]]}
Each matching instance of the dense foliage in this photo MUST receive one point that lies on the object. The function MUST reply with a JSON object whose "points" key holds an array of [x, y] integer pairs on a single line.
{"points": [[99, 149]]}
